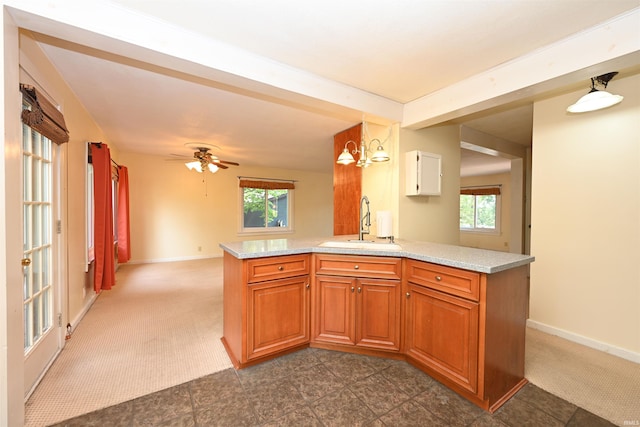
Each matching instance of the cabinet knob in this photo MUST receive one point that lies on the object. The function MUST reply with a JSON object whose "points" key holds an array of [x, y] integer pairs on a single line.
{"points": [[352, 289], [359, 289], [408, 294], [280, 268], [356, 266], [438, 278], [308, 286]]}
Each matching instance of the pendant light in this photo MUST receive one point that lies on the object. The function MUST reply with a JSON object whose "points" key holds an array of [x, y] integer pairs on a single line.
{"points": [[596, 99]]}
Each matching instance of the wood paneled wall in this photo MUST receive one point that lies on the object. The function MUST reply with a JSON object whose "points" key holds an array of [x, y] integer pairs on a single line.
{"points": [[347, 185]]}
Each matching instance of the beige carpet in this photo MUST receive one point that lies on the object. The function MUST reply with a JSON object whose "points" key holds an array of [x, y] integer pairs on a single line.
{"points": [[159, 326], [603, 384]]}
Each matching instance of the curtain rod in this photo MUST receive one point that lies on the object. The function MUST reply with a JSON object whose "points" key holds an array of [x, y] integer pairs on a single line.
{"points": [[99, 144], [481, 186], [267, 179]]}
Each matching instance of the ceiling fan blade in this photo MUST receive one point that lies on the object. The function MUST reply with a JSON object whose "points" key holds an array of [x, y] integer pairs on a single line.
{"points": [[221, 166], [229, 163]]}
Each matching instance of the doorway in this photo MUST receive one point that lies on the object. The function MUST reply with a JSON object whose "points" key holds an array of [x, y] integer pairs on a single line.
{"points": [[42, 332]]}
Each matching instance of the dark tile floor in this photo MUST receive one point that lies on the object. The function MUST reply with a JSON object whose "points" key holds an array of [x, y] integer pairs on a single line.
{"points": [[324, 388]]}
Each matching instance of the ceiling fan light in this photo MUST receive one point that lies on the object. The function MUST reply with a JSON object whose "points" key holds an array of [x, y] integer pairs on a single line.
{"points": [[380, 155], [345, 157], [594, 100], [194, 165], [212, 168]]}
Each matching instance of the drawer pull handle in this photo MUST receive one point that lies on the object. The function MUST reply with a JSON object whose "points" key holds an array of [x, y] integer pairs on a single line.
{"points": [[356, 266], [438, 278], [280, 268]]}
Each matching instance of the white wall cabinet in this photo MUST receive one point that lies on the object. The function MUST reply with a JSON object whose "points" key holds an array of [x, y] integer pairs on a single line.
{"points": [[423, 173]]}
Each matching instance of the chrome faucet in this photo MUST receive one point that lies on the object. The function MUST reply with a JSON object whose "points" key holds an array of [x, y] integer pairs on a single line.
{"points": [[365, 220]]}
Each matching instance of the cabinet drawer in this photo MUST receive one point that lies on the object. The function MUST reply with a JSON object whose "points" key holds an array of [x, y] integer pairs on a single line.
{"points": [[359, 266], [453, 281], [262, 269]]}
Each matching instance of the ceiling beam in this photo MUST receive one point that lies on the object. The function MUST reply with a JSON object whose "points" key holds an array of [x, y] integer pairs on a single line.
{"points": [[615, 43]]}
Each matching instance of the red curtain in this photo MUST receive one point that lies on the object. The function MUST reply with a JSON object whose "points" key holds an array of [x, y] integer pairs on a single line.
{"points": [[124, 234], [104, 274]]}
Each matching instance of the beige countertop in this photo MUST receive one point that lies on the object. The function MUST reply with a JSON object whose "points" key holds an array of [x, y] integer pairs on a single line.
{"points": [[479, 260]]}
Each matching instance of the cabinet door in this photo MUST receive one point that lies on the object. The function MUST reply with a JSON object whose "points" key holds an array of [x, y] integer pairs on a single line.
{"points": [[378, 314], [278, 316], [442, 333], [334, 309]]}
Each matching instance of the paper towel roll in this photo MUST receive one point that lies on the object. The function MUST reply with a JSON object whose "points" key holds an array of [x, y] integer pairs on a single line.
{"points": [[384, 224]]}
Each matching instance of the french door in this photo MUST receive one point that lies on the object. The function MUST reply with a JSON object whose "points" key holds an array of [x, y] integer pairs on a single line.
{"points": [[42, 334]]}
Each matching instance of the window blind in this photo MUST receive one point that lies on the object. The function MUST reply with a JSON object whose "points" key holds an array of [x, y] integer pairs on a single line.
{"points": [[43, 116], [481, 191], [267, 185]]}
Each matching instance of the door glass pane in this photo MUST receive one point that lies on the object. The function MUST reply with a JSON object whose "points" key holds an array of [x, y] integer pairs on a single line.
{"points": [[35, 321], [26, 284], [36, 144], [47, 223], [46, 177], [36, 271], [35, 225], [46, 309], [35, 179], [26, 231], [27, 330]]}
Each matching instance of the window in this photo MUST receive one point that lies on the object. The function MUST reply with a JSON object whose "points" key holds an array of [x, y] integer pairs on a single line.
{"points": [[90, 213], [480, 209], [266, 206]]}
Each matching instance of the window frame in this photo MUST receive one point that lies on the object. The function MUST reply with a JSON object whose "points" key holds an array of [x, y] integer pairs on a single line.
{"points": [[494, 190], [288, 229], [89, 212]]}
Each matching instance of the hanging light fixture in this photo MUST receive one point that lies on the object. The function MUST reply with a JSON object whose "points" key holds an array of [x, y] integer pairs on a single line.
{"points": [[365, 158], [596, 99]]}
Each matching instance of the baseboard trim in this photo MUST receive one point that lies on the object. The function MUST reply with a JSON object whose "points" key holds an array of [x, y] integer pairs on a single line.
{"points": [[587, 342], [74, 323], [158, 260]]}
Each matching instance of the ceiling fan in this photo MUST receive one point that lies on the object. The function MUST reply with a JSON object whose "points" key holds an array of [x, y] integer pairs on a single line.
{"points": [[203, 159]]}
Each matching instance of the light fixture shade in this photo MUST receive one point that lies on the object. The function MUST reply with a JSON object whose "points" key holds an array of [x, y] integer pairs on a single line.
{"points": [[380, 155], [194, 165], [212, 168], [594, 100], [364, 162], [345, 157]]}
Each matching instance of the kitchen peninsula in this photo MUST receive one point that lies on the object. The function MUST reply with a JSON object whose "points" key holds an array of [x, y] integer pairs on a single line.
{"points": [[457, 313]]}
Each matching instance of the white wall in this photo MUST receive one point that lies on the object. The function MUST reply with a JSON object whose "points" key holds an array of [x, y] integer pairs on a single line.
{"points": [[585, 282], [431, 218], [174, 213]]}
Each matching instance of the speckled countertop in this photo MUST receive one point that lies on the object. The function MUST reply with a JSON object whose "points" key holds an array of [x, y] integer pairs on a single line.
{"points": [[480, 260]]}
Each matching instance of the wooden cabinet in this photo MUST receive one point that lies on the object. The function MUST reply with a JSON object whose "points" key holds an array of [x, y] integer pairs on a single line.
{"points": [[357, 301], [442, 333], [266, 307], [467, 329]]}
